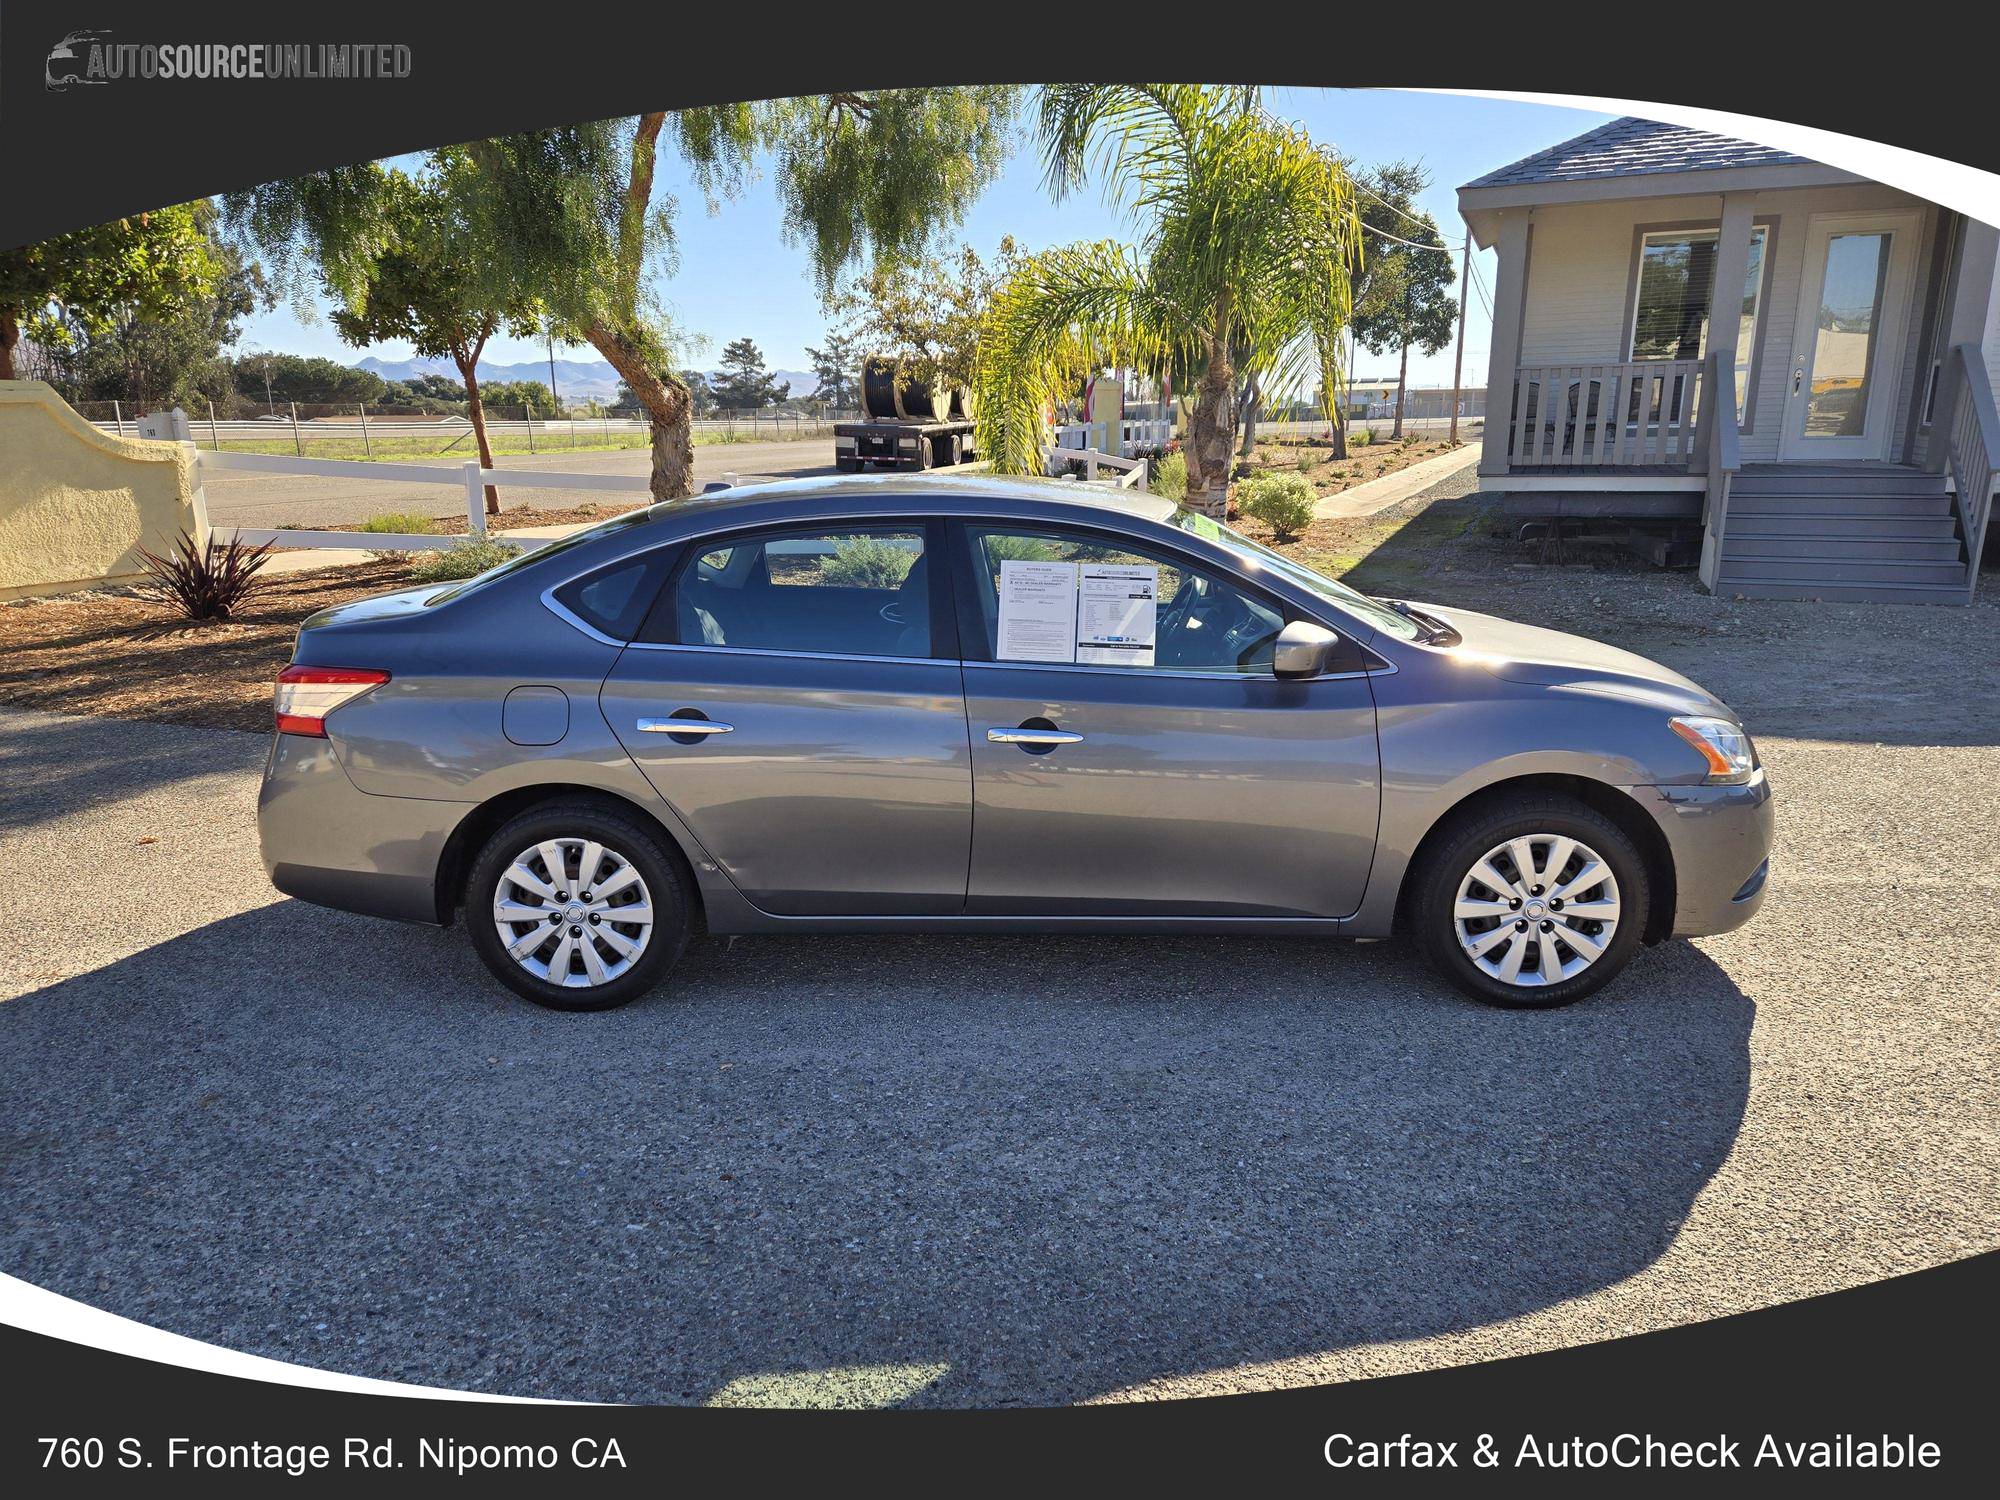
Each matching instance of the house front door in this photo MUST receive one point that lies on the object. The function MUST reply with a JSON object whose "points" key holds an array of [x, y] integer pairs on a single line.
{"points": [[1847, 342]]}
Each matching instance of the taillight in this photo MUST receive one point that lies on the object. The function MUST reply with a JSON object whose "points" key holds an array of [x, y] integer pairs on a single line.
{"points": [[306, 695]]}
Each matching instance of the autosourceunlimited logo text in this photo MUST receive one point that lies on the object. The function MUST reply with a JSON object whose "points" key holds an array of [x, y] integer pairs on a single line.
{"points": [[84, 58]]}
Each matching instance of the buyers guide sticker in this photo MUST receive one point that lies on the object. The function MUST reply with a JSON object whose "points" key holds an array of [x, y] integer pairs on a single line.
{"points": [[1037, 611], [1117, 609]]}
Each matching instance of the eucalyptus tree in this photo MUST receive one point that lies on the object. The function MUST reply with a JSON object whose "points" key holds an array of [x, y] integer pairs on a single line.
{"points": [[570, 216], [1403, 293], [1246, 230]]}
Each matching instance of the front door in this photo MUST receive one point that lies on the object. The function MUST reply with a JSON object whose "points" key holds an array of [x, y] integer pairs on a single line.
{"points": [[1134, 755], [798, 703], [1847, 342]]}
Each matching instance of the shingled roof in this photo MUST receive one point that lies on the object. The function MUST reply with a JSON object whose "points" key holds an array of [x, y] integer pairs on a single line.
{"points": [[1632, 147]]}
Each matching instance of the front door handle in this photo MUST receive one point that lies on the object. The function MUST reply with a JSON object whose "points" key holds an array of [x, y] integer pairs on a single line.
{"points": [[1026, 736], [684, 726]]}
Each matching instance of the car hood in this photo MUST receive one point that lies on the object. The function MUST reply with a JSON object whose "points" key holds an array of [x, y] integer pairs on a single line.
{"points": [[1552, 658]]}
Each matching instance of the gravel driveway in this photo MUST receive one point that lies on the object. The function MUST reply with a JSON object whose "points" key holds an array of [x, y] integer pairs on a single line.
{"points": [[985, 1171]]}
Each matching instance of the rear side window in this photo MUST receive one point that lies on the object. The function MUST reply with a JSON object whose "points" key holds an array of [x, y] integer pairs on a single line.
{"points": [[615, 599], [843, 591]]}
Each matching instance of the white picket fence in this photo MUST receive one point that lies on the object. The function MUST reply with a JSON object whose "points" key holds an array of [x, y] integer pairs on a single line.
{"points": [[1134, 436]]}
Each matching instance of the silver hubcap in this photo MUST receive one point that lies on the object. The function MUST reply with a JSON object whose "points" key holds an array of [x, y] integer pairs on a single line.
{"points": [[573, 913], [1536, 910]]}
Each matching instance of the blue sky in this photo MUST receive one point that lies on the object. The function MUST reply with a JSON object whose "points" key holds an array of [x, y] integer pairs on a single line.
{"points": [[738, 277]]}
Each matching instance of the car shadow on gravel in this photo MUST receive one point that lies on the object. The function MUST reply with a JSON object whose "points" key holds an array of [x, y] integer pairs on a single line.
{"points": [[1055, 1167]]}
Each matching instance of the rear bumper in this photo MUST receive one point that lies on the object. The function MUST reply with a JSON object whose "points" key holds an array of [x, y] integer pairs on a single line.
{"points": [[1720, 837], [327, 842]]}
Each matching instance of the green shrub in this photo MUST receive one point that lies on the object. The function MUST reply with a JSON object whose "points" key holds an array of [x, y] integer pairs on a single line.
{"points": [[1360, 439], [1304, 462], [1169, 477], [1283, 502], [1001, 549], [407, 522], [462, 559], [866, 562]]}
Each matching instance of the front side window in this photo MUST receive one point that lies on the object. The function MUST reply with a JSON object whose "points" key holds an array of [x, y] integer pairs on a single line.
{"points": [[1071, 598], [843, 591], [1672, 306]]}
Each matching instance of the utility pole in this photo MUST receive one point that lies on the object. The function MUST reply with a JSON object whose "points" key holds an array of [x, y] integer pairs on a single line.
{"points": [[549, 330], [269, 405], [1458, 359]]}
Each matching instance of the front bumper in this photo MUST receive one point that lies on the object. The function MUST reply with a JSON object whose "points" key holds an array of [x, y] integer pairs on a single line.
{"points": [[326, 841], [1720, 838]]}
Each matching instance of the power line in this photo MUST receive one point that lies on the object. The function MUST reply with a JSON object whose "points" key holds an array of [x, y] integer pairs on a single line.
{"points": [[1398, 239], [1420, 221]]}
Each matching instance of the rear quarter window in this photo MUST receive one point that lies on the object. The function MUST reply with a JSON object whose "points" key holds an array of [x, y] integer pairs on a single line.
{"points": [[616, 598]]}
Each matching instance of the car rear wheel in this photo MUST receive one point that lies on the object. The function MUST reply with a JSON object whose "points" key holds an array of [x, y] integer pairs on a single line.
{"points": [[576, 907], [1531, 902]]}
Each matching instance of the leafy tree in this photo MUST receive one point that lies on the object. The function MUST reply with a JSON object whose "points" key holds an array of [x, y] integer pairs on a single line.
{"points": [[568, 215], [309, 378], [87, 280], [170, 358], [743, 381], [1248, 231], [423, 287], [927, 310], [837, 367], [1403, 295], [536, 397]]}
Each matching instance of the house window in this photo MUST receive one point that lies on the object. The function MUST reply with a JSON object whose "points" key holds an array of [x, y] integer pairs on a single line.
{"points": [[1670, 311]]}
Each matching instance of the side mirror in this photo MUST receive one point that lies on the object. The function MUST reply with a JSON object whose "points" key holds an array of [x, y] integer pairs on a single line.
{"points": [[1303, 650]]}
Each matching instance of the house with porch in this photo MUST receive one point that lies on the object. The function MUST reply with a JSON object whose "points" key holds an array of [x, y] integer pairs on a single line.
{"points": [[1797, 361]]}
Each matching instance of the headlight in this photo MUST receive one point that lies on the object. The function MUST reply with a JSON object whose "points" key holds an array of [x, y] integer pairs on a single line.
{"points": [[1726, 748]]}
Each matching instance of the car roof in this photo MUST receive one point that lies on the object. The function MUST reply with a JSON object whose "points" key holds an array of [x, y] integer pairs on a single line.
{"points": [[942, 494]]}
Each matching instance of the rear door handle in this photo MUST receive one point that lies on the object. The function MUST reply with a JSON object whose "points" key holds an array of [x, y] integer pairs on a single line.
{"points": [[1033, 737], [684, 726]]}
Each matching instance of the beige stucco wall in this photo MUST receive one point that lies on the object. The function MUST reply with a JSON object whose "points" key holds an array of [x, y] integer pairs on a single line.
{"points": [[1580, 268], [76, 504]]}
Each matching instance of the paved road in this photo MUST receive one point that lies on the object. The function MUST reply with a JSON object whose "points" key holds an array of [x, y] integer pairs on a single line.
{"points": [[959, 1171], [247, 499]]}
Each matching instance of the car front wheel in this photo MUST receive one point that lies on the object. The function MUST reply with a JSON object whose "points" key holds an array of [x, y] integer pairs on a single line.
{"points": [[1531, 902], [576, 907]]}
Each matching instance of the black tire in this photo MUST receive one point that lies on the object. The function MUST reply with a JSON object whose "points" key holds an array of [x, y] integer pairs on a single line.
{"points": [[616, 831], [945, 451], [1467, 837]]}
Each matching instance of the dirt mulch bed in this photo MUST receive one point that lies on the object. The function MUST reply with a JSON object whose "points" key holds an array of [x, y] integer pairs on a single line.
{"points": [[574, 515], [1314, 458], [131, 658]]}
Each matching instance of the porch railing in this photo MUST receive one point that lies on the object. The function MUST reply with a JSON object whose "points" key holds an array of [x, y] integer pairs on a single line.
{"points": [[1638, 414], [1972, 450]]}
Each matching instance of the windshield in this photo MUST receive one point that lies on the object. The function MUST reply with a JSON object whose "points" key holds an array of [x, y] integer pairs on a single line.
{"points": [[1257, 555], [537, 554]]}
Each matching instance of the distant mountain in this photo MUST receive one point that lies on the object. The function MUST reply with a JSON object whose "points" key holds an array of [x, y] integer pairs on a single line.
{"points": [[591, 379]]}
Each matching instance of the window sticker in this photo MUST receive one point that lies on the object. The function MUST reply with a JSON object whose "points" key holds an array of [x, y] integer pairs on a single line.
{"points": [[1117, 613], [1037, 611]]}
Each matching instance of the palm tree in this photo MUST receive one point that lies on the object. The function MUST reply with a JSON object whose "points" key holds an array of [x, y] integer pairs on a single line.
{"points": [[1247, 233]]}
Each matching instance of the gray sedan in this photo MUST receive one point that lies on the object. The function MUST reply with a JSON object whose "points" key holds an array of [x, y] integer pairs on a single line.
{"points": [[932, 704]]}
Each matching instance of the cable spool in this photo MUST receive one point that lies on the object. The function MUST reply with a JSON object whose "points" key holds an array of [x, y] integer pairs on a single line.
{"points": [[920, 401], [878, 388], [961, 403]]}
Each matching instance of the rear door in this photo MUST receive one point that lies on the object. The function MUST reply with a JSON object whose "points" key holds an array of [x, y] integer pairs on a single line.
{"points": [[824, 763], [1134, 755]]}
